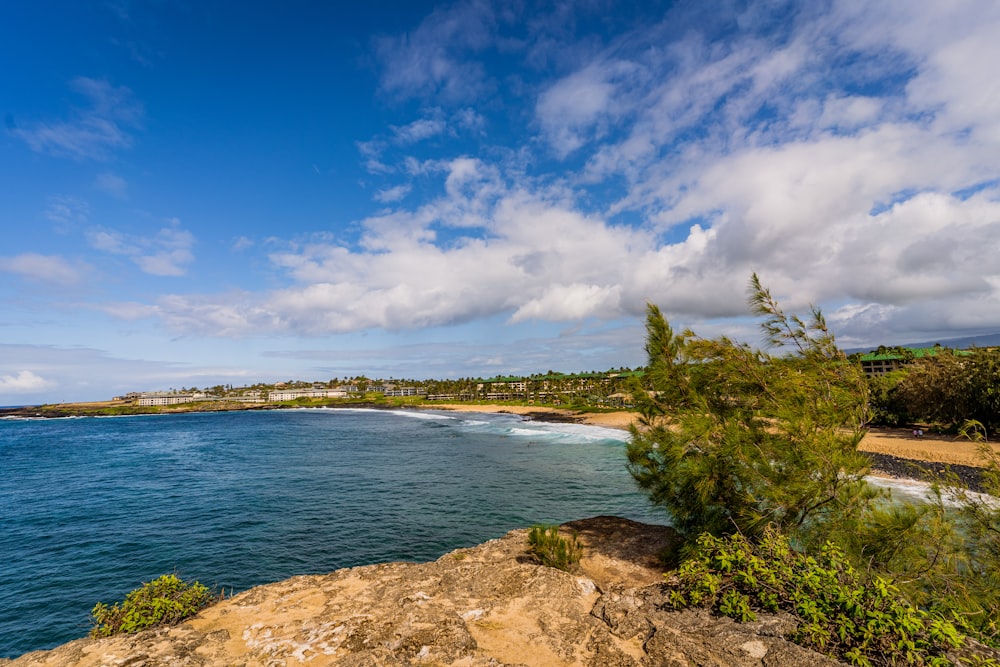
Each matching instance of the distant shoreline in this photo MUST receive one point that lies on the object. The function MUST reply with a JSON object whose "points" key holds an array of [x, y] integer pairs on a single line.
{"points": [[895, 451]]}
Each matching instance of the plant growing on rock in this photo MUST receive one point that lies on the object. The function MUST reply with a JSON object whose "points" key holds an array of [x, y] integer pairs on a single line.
{"points": [[552, 549], [842, 613], [163, 601]]}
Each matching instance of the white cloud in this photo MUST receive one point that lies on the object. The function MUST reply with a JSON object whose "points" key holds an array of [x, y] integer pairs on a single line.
{"points": [[431, 61], [833, 155], [527, 257], [242, 243], [22, 383], [419, 130], [112, 184], [580, 104], [570, 302], [129, 311], [171, 253], [92, 132], [394, 194], [48, 269], [66, 212], [166, 254]]}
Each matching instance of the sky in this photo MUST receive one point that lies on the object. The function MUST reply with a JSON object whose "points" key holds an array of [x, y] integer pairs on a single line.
{"points": [[202, 193]]}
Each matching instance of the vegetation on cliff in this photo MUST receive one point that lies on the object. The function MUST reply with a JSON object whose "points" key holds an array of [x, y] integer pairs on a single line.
{"points": [[845, 613], [552, 549], [163, 601]]}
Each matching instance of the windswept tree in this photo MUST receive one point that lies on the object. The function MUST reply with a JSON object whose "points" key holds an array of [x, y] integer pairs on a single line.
{"points": [[733, 439], [737, 440]]}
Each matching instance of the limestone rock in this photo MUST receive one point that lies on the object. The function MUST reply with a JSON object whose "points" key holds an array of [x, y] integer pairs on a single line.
{"points": [[486, 606]]}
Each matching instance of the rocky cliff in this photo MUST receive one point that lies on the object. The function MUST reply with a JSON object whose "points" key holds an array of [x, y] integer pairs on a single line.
{"points": [[489, 605]]}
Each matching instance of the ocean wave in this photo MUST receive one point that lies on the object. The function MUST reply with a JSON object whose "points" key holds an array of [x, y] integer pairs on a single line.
{"points": [[21, 418], [915, 490], [411, 414]]}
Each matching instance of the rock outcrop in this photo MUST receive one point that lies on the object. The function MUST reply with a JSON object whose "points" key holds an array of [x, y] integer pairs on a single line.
{"points": [[486, 606]]}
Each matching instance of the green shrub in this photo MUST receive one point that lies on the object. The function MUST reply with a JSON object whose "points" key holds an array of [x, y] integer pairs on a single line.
{"points": [[859, 619], [163, 601], [552, 549]]}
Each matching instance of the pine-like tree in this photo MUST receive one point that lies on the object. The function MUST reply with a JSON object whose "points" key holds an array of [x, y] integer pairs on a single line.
{"points": [[733, 439]]}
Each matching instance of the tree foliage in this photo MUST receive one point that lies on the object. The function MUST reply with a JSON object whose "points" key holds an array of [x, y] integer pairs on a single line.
{"points": [[946, 389], [733, 439], [744, 444]]}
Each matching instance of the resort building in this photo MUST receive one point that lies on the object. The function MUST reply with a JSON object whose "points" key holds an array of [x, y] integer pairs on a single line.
{"points": [[314, 392], [885, 360], [402, 391], [168, 398]]}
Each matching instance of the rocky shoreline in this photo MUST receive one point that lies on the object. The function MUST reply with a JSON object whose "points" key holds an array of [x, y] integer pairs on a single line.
{"points": [[927, 471], [490, 605]]}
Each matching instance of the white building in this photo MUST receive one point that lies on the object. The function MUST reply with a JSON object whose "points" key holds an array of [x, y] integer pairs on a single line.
{"points": [[168, 398], [291, 394]]}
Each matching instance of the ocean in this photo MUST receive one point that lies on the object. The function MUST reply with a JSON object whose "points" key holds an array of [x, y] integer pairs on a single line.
{"points": [[91, 508]]}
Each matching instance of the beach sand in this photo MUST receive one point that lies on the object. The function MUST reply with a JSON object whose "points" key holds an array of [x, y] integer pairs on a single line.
{"points": [[897, 442], [935, 448]]}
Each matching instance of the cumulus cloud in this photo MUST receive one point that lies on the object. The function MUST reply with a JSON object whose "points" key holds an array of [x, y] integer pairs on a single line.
{"points": [[167, 253], [92, 132], [47, 269], [23, 382], [515, 253]]}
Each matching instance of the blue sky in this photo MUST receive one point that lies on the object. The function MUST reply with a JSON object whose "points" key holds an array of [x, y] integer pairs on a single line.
{"points": [[219, 192]]}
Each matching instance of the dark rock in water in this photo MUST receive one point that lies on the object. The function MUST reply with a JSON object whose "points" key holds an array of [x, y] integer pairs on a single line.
{"points": [[487, 606], [553, 417], [894, 466]]}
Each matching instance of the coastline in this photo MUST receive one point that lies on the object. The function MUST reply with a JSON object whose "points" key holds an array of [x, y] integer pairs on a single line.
{"points": [[619, 419], [896, 452], [895, 442]]}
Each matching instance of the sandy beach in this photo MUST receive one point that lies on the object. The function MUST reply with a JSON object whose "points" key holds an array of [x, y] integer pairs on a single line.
{"points": [[900, 443], [938, 449]]}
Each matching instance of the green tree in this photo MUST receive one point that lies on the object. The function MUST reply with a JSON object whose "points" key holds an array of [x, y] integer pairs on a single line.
{"points": [[983, 368], [937, 388], [733, 439], [888, 407]]}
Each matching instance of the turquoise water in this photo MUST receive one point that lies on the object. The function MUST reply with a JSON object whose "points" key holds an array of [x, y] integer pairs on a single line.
{"points": [[91, 508]]}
